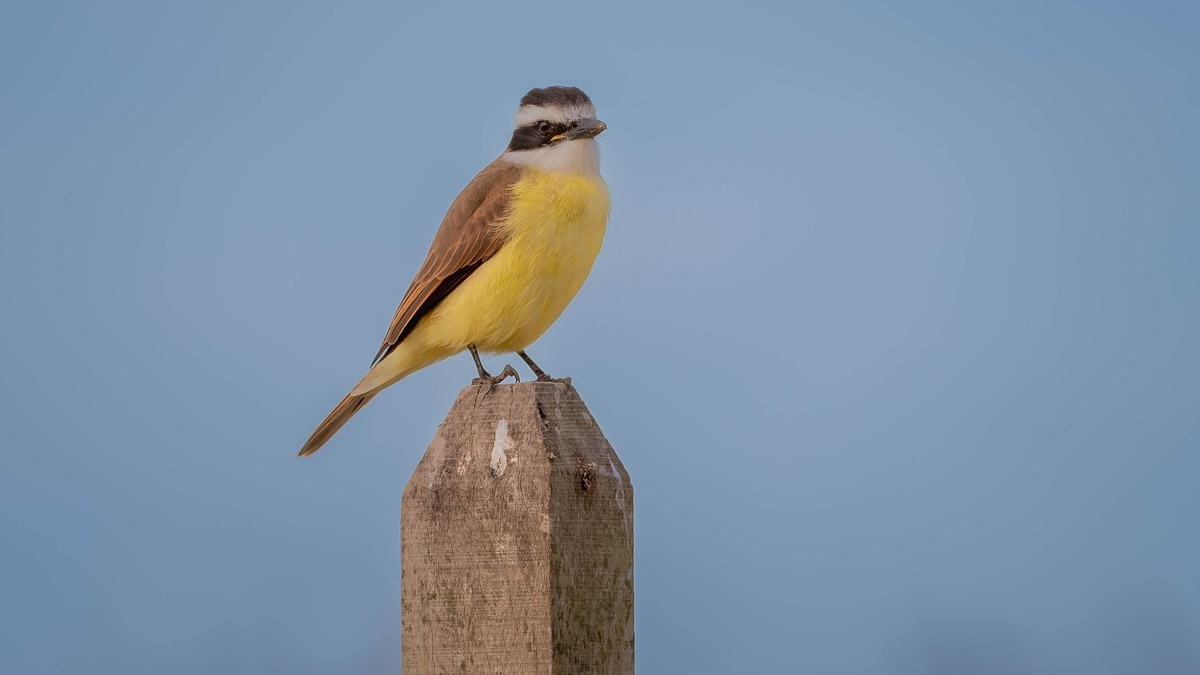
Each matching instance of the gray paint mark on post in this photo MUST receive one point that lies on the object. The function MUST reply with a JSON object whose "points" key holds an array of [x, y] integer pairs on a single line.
{"points": [[500, 449]]}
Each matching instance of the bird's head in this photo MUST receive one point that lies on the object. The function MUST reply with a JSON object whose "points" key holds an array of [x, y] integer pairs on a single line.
{"points": [[553, 116]]}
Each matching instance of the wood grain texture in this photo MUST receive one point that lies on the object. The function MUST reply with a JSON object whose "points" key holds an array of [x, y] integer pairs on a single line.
{"points": [[516, 540]]}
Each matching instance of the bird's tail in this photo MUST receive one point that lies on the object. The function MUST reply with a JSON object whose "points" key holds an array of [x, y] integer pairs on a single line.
{"points": [[336, 420], [411, 355]]}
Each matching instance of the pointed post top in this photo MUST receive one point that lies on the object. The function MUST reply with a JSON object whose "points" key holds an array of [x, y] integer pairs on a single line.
{"points": [[516, 540]]}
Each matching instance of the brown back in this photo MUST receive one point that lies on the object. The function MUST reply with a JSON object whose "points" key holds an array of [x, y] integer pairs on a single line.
{"points": [[466, 239]]}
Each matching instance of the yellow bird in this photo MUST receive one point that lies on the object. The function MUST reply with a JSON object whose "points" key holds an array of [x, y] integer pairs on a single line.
{"points": [[512, 251]]}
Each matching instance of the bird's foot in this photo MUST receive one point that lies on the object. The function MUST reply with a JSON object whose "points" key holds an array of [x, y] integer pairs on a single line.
{"points": [[487, 378], [543, 377], [539, 373]]}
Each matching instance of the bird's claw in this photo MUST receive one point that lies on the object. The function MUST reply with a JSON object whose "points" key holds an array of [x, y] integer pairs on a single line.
{"points": [[489, 379], [546, 378]]}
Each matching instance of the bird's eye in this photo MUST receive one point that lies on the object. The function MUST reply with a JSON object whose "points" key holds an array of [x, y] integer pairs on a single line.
{"points": [[544, 127]]}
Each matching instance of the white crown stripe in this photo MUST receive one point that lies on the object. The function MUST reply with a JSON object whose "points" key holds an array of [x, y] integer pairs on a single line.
{"points": [[535, 113]]}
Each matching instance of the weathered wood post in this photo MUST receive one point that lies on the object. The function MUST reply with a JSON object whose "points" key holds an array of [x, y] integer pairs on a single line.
{"points": [[516, 540]]}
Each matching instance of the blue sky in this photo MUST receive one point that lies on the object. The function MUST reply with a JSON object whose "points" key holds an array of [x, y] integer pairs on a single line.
{"points": [[895, 326]]}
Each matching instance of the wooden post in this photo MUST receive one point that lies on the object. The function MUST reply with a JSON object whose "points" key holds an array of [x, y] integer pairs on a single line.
{"points": [[516, 541]]}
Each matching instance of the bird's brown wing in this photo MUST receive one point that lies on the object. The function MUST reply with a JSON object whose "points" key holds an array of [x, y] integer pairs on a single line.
{"points": [[465, 240]]}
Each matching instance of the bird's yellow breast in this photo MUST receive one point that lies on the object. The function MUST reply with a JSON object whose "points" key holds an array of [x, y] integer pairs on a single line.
{"points": [[554, 230]]}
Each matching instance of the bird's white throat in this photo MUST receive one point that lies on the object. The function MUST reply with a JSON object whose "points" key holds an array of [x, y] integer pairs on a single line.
{"points": [[578, 156]]}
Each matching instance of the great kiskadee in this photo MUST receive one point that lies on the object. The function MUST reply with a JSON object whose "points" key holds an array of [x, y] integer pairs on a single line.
{"points": [[512, 251]]}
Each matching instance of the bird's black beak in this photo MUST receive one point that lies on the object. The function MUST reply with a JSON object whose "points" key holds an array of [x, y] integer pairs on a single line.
{"points": [[586, 128]]}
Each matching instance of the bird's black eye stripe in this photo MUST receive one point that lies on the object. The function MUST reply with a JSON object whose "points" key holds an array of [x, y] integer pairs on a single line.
{"points": [[552, 128], [537, 134]]}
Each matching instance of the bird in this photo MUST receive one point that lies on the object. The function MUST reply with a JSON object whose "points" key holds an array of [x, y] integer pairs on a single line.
{"points": [[513, 249]]}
